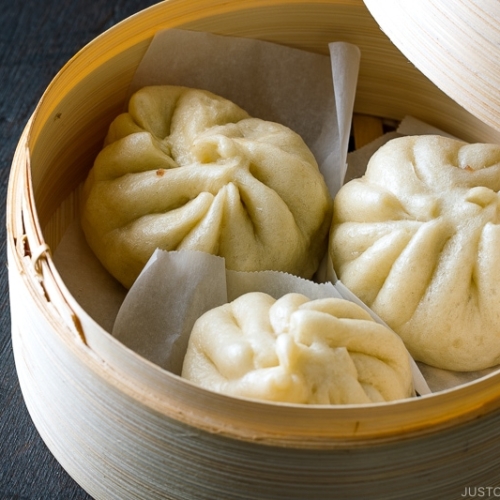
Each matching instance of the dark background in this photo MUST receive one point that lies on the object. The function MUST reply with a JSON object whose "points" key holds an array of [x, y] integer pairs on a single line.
{"points": [[37, 37]]}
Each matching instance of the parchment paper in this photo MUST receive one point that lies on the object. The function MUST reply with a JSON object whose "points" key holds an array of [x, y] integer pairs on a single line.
{"points": [[184, 285], [270, 81]]}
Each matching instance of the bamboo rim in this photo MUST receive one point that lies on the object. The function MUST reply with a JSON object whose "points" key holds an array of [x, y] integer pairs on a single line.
{"points": [[165, 394]]}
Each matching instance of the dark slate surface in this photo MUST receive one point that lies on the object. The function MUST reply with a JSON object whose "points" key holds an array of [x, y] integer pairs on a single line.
{"points": [[36, 38]]}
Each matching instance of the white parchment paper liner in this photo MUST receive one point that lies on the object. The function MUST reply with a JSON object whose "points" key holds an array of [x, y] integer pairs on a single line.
{"points": [[270, 81]]}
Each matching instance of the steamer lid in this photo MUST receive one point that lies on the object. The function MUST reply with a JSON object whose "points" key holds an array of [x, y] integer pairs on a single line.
{"points": [[456, 44]]}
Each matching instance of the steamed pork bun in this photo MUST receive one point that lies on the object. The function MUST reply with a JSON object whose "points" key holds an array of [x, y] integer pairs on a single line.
{"points": [[186, 169], [296, 350], [418, 240]]}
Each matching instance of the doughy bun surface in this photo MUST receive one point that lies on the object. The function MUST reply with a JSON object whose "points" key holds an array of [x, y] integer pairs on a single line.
{"points": [[296, 350], [418, 240], [186, 169]]}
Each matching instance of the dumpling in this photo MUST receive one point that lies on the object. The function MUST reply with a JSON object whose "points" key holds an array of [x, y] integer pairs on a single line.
{"points": [[418, 240], [296, 350], [186, 169]]}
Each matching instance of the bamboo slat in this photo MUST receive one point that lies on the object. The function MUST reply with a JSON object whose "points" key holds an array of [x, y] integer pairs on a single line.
{"points": [[366, 129]]}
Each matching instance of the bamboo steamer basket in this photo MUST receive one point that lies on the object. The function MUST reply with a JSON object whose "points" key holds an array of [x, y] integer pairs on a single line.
{"points": [[125, 429]]}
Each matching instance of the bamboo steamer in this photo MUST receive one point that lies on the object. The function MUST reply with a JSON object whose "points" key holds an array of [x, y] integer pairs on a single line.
{"points": [[125, 429]]}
